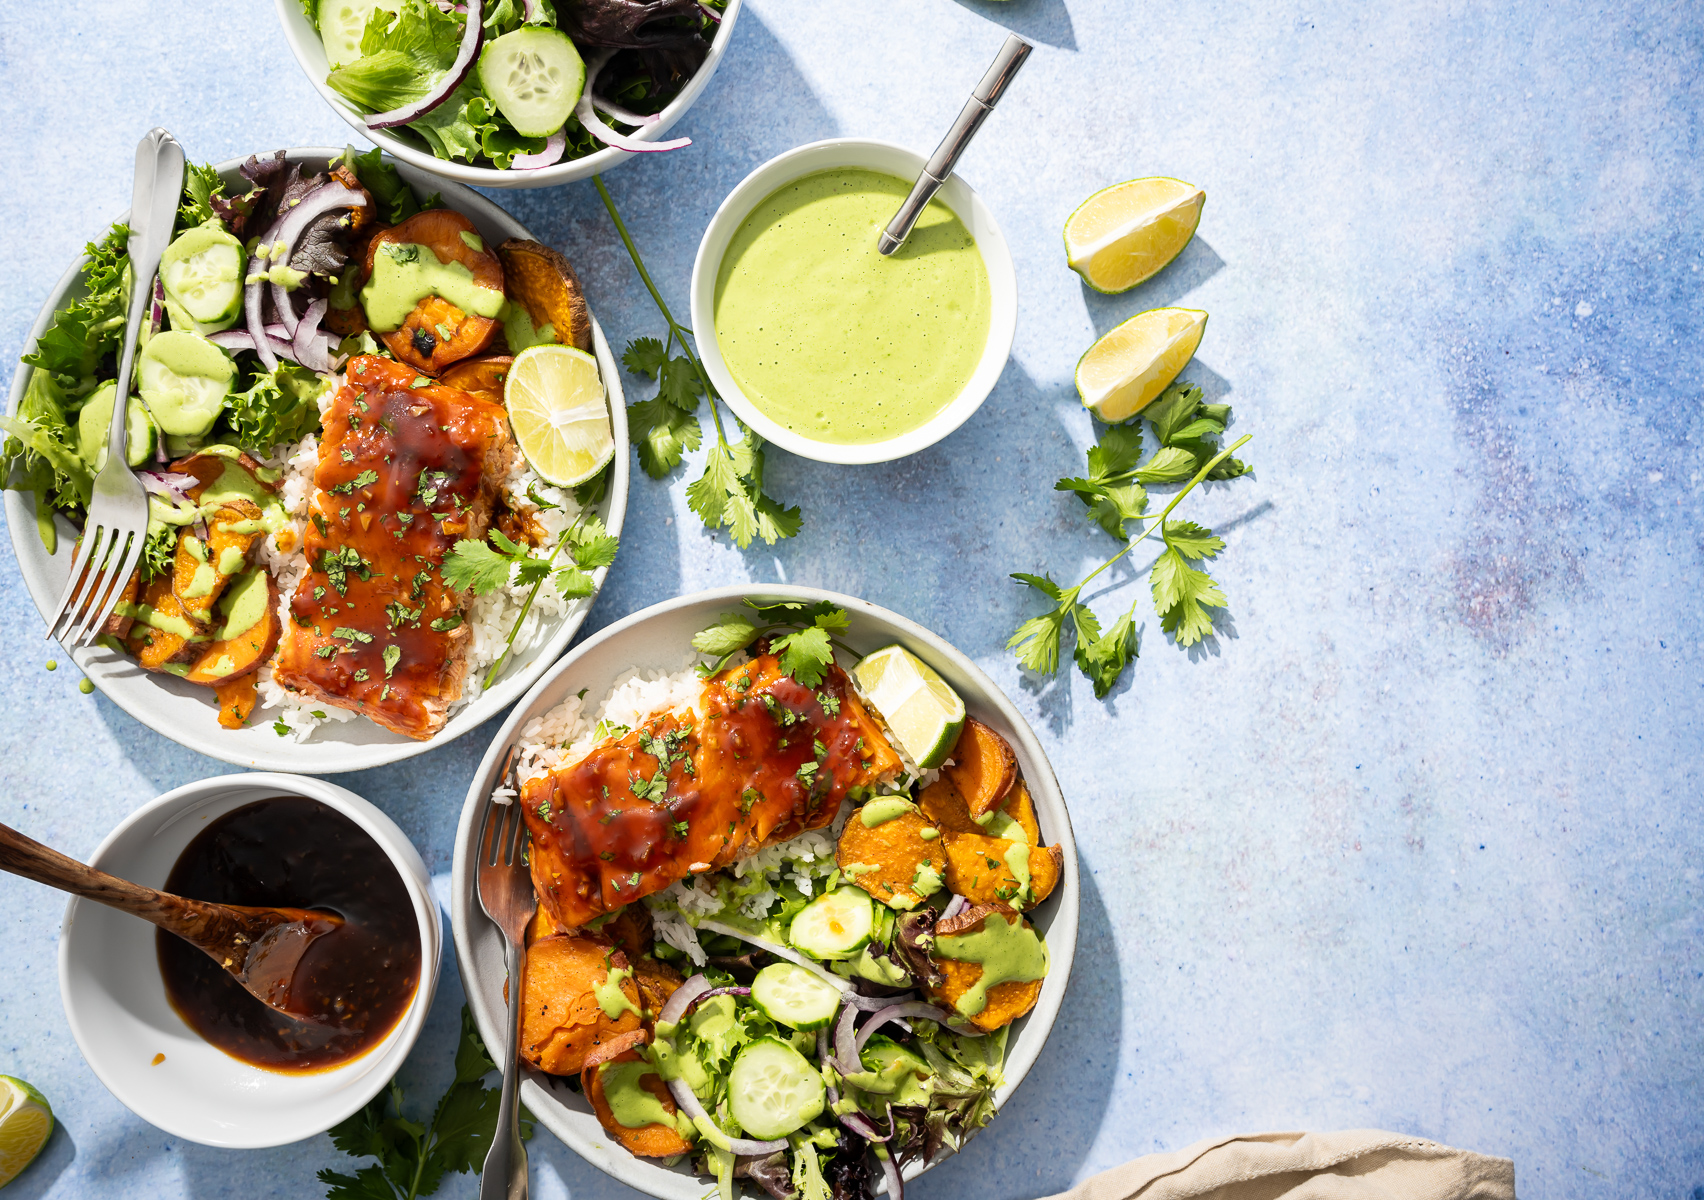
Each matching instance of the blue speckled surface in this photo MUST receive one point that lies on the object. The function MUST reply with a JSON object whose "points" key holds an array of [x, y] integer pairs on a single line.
{"points": [[1415, 843]]}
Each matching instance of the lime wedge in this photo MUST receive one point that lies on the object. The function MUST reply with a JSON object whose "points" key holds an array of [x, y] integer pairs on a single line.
{"points": [[1125, 233], [920, 709], [560, 413], [26, 1121], [1123, 372]]}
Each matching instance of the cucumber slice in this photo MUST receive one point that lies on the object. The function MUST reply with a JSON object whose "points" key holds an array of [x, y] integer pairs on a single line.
{"points": [[341, 24], [836, 925], [535, 76], [792, 996], [185, 379], [202, 274], [773, 1090], [140, 432]]}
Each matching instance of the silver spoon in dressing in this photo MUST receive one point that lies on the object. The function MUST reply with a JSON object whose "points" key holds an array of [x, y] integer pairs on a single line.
{"points": [[946, 156]]}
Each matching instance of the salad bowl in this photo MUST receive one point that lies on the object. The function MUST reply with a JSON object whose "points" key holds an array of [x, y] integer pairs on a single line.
{"points": [[186, 713], [657, 639], [310, 54]]}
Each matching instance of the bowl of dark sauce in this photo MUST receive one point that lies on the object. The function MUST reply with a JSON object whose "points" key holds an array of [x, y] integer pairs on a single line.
{"points": [[177, 1039]]}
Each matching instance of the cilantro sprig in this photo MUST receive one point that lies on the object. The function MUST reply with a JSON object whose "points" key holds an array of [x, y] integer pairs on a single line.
{"points": [[1112, 490], [806, 651], [480, 567], [730, 491], [414, 1158]]}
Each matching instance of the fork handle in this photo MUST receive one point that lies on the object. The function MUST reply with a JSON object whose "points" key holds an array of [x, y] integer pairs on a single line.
{"points": [[153, 210], [505, 1173]]}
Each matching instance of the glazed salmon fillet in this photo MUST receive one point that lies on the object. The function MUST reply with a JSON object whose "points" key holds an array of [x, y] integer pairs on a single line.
{"points": [[404, 472], [765, 759]]}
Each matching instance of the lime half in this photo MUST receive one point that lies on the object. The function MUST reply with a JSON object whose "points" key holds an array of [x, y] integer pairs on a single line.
{"points": [[26, 1121], [560, 413], [1124, 234], [920, 709], [1121, 374]]}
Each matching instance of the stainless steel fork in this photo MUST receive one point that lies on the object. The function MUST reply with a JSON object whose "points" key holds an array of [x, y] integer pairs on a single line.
{"points": [[506, 894], [117, 524]]}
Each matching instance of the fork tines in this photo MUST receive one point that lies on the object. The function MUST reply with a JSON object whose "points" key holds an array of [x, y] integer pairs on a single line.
{"points": [[95, 585]]}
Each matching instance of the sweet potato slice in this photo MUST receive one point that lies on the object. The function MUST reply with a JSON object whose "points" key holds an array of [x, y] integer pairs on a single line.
{"points": [[979, 868], [541, 281], [893, 862], [1021, 809], [236, 700], [657, 982], [420, 342], [240, 653], [1013, 819], [1006, 1001], [945, 809], [201, 570], [482, 377], [561, 1018], [208, 468], [171, 645], [647, 1141], [984, 767]]}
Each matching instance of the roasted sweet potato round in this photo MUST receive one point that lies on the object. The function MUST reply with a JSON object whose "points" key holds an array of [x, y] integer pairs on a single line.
{"points": [[561, 1019], [541, 281], [437, 333]]}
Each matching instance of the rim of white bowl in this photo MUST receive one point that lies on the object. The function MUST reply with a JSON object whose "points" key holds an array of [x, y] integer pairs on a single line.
{"points": [[550, 691], [117, 675], [396, 1045], [309, 51], [891, 159]]}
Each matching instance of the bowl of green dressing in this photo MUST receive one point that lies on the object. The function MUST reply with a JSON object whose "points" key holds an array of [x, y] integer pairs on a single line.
{"points": [[823, 346]]}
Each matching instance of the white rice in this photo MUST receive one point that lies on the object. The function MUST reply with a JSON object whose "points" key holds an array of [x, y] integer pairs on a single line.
{"points": [[489, 617]]}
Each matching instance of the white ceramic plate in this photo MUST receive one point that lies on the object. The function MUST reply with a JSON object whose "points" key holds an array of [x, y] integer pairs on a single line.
{"points": [[115, 1000], [189, 714], [305, 44], [888, 159], [658, 638]]}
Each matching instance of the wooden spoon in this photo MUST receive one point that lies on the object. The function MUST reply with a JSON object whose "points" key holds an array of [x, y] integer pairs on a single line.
{"points": [[260, 947]]}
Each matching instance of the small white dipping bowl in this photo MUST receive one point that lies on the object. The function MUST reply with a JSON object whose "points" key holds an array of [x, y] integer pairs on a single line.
{"points": [[309, 50], [888, 159], [115, 1000]]}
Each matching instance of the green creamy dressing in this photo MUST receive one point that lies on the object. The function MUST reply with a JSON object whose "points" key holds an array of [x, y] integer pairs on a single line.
{"points": [[234, 483], [201, 583], [831, 339], [520, 332], [883, 809], [925, 880], [853, 870], [1008, 951], [243, 605], [610, 997], [1002, 826], [148, 615], [1017, 862], [405, 273], [630, 1102]]}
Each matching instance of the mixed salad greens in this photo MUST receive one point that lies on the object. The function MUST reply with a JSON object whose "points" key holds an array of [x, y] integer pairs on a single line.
{"points": [[514, 84]]}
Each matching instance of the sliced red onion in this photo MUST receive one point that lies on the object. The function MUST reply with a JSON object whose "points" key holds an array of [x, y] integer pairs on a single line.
{"points": [[609, 137], [846, 1059], [876, 1003], [954, 908], [682, 997], [709, 12], [723, 991], [625, 116], [530, 12], [254, 318], [473, 33], [237, 339], [201, 528], [157, 307], [890, 1172], [777, 951], [309, 348], [913, 1008], [865, 1128], [554, 146], [173, 485], [688, 1103]]}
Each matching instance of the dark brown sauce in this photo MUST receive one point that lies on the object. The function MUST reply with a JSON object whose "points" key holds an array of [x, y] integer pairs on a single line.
{"points": [[358, 980]]}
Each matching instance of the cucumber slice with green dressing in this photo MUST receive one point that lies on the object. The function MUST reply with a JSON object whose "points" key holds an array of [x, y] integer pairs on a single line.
{"points": [[534, 75], [341, 24], [140, 432], [836, 925], [792, 996], [202, 274], [185, 379], [773, 1090]]}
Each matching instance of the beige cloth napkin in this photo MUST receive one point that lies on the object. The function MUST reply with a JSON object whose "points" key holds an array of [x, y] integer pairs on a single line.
{"points": [[1355, 1164]]}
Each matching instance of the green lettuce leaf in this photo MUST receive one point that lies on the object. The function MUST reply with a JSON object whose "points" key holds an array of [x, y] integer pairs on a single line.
{"points": [[279, 406], [90, 328]]}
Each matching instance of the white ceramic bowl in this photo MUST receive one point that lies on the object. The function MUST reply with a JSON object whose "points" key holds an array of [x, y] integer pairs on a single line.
{"points": [[305, 44], [189, 714], [657, 638], [115, 1001], [889, 159]]}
